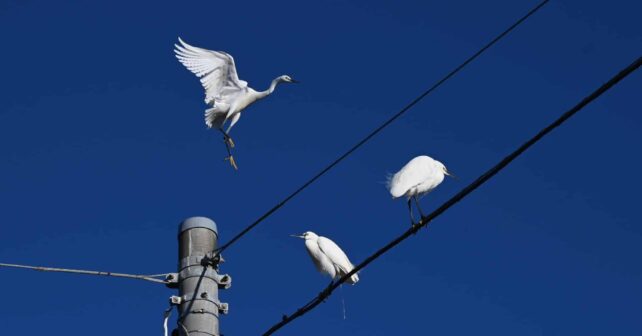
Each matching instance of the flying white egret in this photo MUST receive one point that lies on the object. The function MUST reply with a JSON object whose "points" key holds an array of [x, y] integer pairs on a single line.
{"points": [[328, 257], [418, 177], [224, 91]]}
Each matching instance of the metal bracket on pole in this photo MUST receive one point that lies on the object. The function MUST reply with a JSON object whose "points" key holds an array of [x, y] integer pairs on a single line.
{"points": [[172, 280], [175, 300], [224, 308], [224, 281]]}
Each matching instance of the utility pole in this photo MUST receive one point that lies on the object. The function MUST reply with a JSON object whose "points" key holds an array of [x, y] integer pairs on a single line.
{"points": [[198, 280]]}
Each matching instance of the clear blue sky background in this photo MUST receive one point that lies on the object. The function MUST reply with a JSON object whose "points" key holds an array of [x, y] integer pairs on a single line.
{"points": [[104, 152]]}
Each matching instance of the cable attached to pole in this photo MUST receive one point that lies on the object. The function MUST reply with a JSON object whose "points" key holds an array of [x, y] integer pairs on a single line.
{"points": [[152, 278]]}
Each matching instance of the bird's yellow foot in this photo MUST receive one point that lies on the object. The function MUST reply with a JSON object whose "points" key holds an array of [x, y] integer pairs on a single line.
{"points": [[232, 162], [228, 141]]}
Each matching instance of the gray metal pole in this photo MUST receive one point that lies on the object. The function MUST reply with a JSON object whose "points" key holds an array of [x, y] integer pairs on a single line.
{"points": [[198, 279]]}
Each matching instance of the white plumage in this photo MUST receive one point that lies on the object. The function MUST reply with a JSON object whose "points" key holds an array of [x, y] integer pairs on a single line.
{"points": [[418, 177], [224, 91], [328, 257]]}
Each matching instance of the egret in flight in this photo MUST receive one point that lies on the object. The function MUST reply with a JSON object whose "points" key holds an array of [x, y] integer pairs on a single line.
{"points": [[227, 95], [328, 257], [418, 177]]}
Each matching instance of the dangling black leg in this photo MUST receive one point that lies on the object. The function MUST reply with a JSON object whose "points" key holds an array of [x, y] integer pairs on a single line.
{"points": [[227, 139], [418, 208], [412, 218]]}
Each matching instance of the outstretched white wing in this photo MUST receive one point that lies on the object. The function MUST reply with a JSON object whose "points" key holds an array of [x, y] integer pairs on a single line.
{"points": [[337, 257], [215, 68]]}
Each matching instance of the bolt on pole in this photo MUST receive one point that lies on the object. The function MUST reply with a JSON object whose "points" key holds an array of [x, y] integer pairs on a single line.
{"points": [[198, 279]]}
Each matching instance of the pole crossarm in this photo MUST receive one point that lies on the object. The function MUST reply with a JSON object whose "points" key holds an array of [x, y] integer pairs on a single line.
{"points": [[151, 278], [483, 178]]}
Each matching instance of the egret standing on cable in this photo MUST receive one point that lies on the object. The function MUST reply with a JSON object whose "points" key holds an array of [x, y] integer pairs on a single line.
{"points": [[224, 91], [418, 177], [328, 257]]}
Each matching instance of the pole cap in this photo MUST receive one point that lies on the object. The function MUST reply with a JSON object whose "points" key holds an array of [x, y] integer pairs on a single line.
{"points": [[198, 222]]}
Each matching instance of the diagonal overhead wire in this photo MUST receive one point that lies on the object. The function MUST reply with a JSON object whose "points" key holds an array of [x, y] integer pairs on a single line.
{"points": [[483, 178], [382, 126], [152, 277]]}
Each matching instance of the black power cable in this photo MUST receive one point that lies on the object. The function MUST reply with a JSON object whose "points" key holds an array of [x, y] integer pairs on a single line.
{"points": [[459, 196]]}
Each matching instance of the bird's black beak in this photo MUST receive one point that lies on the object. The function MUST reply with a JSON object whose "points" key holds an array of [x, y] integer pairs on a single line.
{"points": [[294, 81]]}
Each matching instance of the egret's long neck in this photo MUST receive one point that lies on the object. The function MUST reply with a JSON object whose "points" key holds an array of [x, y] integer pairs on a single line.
{"points": [[267, 92]]}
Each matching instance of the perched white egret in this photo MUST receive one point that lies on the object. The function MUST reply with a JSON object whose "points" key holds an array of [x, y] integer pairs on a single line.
{"points": [[418, 177], [224, 91], [328, 257]]}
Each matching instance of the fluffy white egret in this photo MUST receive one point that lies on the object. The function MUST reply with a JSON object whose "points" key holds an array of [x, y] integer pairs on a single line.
{"points": [[328, 257], [418, 177], [224, 91]]}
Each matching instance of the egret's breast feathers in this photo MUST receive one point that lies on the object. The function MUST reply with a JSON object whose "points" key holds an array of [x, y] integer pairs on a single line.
{"points": [[320, 260]]}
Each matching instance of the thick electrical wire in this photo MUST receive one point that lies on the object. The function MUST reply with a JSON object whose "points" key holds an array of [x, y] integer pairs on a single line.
{"points": [[152, 278], [382, 126], [458, 197]]}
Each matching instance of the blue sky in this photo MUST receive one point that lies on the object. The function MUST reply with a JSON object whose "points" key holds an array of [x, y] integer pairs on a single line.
{"points": [[104, 152]]}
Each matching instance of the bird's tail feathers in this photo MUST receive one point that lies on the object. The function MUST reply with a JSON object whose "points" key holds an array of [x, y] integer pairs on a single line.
{"points": [[215, 116], [353, 279], [388, 182], [342, 271], [395, 190]]}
